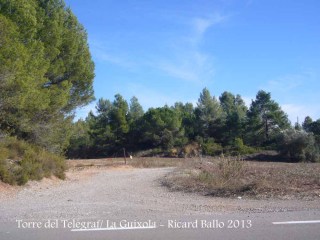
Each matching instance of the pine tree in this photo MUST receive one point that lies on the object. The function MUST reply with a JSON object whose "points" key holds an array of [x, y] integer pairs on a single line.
{"points": [[46, 70], [265, 119], [209, 115], [235, 112], [135, 110]]}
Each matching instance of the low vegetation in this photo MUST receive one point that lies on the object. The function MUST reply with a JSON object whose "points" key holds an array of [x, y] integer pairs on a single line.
{"points": [[21, 161], [136, 162], [299, 145], [233, 177]]}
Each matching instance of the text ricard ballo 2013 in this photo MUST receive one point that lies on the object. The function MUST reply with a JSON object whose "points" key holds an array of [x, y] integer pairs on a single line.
{"points": [[74, 224]]}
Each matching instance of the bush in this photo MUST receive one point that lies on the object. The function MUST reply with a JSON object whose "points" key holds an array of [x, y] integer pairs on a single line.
{"points": [[21, 161], [298, 145], [241, 149], [209, 147], [219, 177], [190, 150]]}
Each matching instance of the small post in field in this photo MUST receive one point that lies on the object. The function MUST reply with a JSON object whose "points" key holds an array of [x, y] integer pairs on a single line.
{"points": [[124, 154]]}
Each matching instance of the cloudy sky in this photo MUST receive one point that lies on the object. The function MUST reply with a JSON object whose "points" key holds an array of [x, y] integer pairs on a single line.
{"points": [[164, 51]]}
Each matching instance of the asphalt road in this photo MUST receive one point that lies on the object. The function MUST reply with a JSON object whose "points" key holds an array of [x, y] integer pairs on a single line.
{"points": [[216, 226], [131, 204]]}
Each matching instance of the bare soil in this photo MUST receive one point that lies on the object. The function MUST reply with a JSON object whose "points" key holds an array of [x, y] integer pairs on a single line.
{"points": [[95, 191]]}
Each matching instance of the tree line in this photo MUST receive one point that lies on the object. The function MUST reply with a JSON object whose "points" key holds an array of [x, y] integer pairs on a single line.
{"points": [[223, 125]]}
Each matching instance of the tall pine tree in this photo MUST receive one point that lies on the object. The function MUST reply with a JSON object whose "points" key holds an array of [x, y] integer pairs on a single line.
{"points": [[46, 70], [265, 120]]}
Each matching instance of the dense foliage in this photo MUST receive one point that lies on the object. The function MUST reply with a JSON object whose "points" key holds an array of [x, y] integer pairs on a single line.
{"points": [[46, 71], [214, 126]]}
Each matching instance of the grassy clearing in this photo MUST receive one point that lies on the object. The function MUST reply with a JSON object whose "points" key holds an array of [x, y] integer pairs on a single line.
{"points": [[21, 161], [226, 177], [137, 162]]}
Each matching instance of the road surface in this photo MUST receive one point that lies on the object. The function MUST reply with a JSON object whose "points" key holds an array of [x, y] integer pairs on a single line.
{"points": [[127, 203]]}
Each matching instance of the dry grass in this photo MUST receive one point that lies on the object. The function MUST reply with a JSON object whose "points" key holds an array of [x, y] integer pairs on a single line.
{"points": [[149, 162], [138, 162], [81, 163], [227, 177], [21, 161]]}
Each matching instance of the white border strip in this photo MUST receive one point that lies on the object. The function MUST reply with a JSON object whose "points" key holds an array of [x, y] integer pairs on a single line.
{"points": [[296, 222], [110, 229]]}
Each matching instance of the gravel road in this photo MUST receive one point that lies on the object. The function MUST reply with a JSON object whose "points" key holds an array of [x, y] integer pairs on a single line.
{"points": [[131, 194], [122, 192]]}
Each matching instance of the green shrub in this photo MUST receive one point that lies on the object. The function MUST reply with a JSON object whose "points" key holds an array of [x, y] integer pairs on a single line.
{"points": [[4, 153], [241, 149], [21, 161], [4, 172], [209, 147], [299, 145], [205, 177]]}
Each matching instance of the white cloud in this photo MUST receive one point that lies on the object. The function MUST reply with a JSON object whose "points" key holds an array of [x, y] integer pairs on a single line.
{"points": [[107, 57], [289, 82], [191, 66], [101, 53], [201, 25], [187, 61], [179, 71]]}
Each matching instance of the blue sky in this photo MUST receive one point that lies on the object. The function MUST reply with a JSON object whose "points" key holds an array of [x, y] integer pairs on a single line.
{"points": [[168, 51]]}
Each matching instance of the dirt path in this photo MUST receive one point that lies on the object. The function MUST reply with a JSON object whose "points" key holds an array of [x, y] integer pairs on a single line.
{"points": [[121, 192]]}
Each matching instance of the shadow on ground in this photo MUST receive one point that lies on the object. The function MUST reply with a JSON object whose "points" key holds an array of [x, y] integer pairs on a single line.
{"points": [[268, 156]]}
